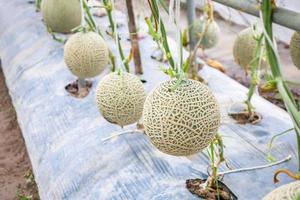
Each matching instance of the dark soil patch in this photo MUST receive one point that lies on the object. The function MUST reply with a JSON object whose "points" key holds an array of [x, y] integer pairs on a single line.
{"points": [[14, 161], [276, 99], [195, 187], [246, 117], [75, 91]]}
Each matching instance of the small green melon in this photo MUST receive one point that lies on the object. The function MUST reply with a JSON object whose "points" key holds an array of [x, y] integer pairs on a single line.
{"points": [[211, 36], [86, 54], [61, 15], [244, 48], [295, 49], [120, 98], [289, 191], [181, 121]]}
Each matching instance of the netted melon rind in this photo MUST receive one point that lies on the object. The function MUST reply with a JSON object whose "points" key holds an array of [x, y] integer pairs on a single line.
{"points": [[211, 37], [61, 15], [86, 54], [295, 49], [120, 98], [286, 192], [244, 48], [181, 122]]}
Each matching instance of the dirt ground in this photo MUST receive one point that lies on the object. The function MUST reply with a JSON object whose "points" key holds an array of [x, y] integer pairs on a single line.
{"points": [[16, 180]]}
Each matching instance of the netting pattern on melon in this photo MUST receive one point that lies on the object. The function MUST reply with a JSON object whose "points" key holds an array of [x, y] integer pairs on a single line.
{"points": [[295, 49], [120, 98], [86, 54], [181, 122], [61, 15], [244, 48], [211, 37], [286, 192]]}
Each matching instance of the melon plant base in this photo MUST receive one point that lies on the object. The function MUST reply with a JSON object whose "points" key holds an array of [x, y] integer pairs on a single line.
{"points": [[63, 134]]}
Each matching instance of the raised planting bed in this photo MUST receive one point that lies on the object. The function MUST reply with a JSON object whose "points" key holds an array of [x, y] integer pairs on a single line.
{"points": [[64, 134]]}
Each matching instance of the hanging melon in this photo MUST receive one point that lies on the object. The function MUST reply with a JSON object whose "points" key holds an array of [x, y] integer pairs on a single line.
{"points": [[289, 191], [181, 121], [211, 36], [244, 48], [295, 49], [62, 15], [86, 54], [120, 98]]}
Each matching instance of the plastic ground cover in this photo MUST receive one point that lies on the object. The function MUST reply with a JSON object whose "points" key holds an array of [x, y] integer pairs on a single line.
{"points": [[64, 135]]}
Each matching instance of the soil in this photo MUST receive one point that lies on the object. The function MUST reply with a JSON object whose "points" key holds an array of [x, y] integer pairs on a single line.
{"points": [[245, 117], [16, 179], [223, 192], [74, 90]]}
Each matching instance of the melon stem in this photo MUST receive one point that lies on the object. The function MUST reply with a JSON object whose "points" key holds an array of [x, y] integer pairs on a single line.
{"points": [[210, 10], [82, 84], [193, 68], [38, 5], [162, 37], [216, 158], [108, 5], [255, 65]]}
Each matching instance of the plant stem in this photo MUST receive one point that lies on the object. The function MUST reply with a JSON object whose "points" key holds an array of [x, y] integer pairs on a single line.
{"points": [[255, 64], [113, 61], [191, 14], [155, 13], [121, 52], [298, 143], [82, 85], [213, 177], [273, 58], [192, 65], [216, 157], [109, 9], [192, 58], [38, 5], [88, 17], [277, 135], [210, 10]]}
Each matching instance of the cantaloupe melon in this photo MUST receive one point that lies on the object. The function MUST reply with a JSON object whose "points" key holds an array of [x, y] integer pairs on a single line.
{"points": [[62, 15], [289, 191], [86, 54], [182, 121], [295, 49], [120, 98], [244, 48], [211, 36]]}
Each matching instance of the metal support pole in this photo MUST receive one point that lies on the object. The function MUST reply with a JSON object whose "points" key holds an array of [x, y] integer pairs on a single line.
{"points": [[281, 16], [191, 15]]}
